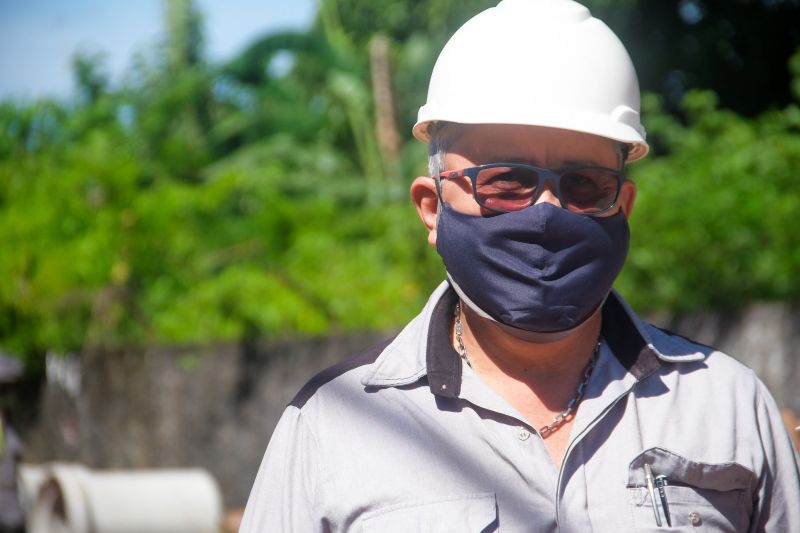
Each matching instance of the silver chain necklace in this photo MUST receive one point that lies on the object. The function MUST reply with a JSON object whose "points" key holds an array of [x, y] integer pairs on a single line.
{"points": [[561, 417]]}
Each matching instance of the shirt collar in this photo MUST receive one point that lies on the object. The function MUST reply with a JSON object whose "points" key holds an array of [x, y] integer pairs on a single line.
{"points": [[423, 347]]}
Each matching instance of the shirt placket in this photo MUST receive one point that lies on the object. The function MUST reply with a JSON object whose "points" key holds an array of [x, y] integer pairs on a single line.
{"points": [[572, 510], [569, 490], [522, 442]]}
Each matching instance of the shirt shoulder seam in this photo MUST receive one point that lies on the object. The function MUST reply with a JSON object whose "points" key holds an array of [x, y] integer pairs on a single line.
{"points": [[312, 386]]}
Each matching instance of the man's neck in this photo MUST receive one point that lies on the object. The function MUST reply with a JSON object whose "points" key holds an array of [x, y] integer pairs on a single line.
{"points": [[550, 367]]}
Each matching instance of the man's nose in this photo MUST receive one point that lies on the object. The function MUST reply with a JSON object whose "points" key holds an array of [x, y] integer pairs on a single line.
{"points": [[548, 194]]}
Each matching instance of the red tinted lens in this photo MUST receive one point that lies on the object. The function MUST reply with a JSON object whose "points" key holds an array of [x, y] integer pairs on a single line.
{"points": [[506, 188], [589, 190]]}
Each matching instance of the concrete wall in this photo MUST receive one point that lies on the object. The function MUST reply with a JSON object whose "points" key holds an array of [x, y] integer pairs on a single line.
{"points": [[215, 406], [212, 406]]}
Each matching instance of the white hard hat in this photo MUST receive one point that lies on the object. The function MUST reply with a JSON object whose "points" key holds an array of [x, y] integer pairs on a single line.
{"points": [[541, 63]]}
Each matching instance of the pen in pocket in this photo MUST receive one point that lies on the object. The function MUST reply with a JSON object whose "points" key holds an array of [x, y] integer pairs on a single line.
{"points": [[648, 477], [661, 482]]}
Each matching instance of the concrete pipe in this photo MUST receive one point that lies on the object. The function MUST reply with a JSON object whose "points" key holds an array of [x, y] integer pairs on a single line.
{"points": [[74, 499], [30, 478]]}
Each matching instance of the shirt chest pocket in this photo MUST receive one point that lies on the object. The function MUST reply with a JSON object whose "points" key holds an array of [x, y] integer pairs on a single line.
{"points": [[698, 496], [458, 514]]}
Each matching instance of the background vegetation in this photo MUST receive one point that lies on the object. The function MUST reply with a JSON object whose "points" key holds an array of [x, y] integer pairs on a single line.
{"points": [[198, 201]]}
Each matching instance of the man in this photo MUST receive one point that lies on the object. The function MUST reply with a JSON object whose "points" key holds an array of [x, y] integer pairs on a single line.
{"points": [[527, 396]]}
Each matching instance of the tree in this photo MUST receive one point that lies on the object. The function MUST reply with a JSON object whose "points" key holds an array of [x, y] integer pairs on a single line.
{"points": [[199, 202]]}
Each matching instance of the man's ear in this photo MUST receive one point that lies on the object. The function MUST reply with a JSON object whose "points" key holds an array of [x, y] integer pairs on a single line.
{"points": [[627, 197], [423, 194]]}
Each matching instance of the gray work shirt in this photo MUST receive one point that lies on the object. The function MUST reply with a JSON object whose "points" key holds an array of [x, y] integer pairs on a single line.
{"points": [[407, 438]]}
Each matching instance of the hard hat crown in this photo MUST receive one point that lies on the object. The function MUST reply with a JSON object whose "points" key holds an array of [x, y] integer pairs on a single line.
{"points": [[537, 62]]}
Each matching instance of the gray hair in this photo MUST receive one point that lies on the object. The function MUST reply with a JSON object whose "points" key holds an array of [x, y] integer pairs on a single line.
{"points": [[437, 149]]}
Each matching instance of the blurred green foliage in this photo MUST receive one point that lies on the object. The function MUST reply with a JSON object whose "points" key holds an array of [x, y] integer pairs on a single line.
{"points": [[197, 202], [712, 225]]}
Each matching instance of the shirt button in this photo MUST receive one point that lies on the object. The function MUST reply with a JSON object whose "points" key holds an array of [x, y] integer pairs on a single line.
{"points": [[694, 518], [523, 434]]}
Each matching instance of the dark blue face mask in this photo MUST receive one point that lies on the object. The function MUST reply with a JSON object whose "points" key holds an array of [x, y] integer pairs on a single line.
{"points": [[541, 269]]}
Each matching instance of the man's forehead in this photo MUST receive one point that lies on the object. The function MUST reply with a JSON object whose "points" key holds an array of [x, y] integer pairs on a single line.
{"points": [[525, 144]]}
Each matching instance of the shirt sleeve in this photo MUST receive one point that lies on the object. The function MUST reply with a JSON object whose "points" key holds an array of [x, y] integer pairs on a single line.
{"points": [[778, 493], [284, 492]]}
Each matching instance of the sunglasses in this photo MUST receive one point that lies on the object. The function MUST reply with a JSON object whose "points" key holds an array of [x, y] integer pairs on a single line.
{"points": [[506, 187]]}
